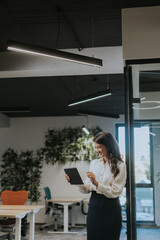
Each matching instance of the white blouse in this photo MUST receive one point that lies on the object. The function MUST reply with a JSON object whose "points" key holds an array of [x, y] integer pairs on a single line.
{"points": [[108, 185]]}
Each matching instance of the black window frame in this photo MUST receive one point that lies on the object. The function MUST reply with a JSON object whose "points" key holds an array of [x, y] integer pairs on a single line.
{"points": [[143, 185]]}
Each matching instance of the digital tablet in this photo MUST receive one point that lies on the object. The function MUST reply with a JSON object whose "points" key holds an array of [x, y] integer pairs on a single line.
{"points": [[74, 175]]}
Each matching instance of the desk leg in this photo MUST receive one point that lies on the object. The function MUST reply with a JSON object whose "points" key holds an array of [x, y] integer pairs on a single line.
{"points": [[65, 218], [18, 229], [31, 226]]}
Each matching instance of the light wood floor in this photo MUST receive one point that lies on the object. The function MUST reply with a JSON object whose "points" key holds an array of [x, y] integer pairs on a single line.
{"points": [[44, 235], [142, 234]]}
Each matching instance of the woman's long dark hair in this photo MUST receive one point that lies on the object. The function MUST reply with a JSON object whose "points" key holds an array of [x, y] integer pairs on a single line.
{"points": [[106, 139]]}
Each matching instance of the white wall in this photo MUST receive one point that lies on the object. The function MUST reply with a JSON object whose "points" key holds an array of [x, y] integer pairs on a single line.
{"points": [[4, 121], [140, 32], [28, 134]]}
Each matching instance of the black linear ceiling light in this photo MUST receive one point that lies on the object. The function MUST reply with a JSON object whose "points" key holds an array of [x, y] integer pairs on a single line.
{"points": [[89, 98], [48, 52], [14, 109]]}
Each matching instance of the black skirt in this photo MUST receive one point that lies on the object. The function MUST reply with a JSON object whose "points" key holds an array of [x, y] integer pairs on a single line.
{"points": [[104, 220]]}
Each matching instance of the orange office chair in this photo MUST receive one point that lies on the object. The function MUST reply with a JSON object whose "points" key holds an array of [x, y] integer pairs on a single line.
{"points": [[9, 197]]}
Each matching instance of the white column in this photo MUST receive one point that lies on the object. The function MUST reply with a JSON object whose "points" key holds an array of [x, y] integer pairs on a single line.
{"points": [[65, 218], [18, 229], [32, 226]]}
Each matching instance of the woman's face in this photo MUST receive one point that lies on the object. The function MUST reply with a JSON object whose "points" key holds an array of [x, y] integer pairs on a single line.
{"points": [[101, 150]]}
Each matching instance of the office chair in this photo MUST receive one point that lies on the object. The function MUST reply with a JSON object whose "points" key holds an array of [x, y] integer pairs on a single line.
{"points": [[84, 206], [55, 210], [124, 213], [9, 197]]}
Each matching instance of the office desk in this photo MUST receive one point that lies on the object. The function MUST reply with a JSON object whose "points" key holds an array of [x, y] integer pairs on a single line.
{"points": [[18, 215], [33, 209], [65, 202]]}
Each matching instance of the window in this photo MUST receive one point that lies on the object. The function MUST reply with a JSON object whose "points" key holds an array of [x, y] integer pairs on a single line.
{"points": [[143, 170]]}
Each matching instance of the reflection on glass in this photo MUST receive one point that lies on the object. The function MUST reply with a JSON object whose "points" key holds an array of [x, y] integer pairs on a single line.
{"points": [[142, 152], [123, 205], [146, 110], [142, 155], [144, 204], [144, 195]]}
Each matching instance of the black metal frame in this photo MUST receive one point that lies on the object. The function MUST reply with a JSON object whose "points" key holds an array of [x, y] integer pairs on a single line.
{"points": [[130, 186], [147, 185]]}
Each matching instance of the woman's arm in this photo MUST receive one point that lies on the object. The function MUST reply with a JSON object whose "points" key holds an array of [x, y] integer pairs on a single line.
{"points": [[85, 188], [116, 189], [88, 186]]}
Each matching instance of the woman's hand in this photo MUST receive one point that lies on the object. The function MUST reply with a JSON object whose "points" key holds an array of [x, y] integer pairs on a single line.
{"points": [[67, 177], [92, 177]]}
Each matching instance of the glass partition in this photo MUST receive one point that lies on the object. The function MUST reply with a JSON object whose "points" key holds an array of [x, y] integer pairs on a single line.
{"points": [[145, 81]]}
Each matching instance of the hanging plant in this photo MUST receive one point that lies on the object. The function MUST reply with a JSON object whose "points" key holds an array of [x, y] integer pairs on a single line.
{"points": [[21, 172], [35, 176], [9, 167], [68, 144]]}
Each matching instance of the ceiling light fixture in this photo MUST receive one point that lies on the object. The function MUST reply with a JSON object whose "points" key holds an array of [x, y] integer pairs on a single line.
{"points": [[142, 99], [48, 52], [147, 107], [89, 98], [15, 109], [153, 134], [85, 130]]}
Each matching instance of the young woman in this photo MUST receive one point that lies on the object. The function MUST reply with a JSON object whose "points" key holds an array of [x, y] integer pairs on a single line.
{"points": [[105, 180]]}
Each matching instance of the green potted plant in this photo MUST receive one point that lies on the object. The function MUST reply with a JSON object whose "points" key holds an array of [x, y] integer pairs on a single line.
{"points": [[68, 144], [21, 172]]}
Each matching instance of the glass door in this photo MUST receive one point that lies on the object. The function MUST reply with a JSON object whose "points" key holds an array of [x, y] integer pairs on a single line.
{"points": [[143, 148], [143, 170]]}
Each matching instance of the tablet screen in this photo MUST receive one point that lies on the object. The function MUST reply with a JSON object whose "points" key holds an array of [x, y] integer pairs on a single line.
{"points": [[74, 175]]}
